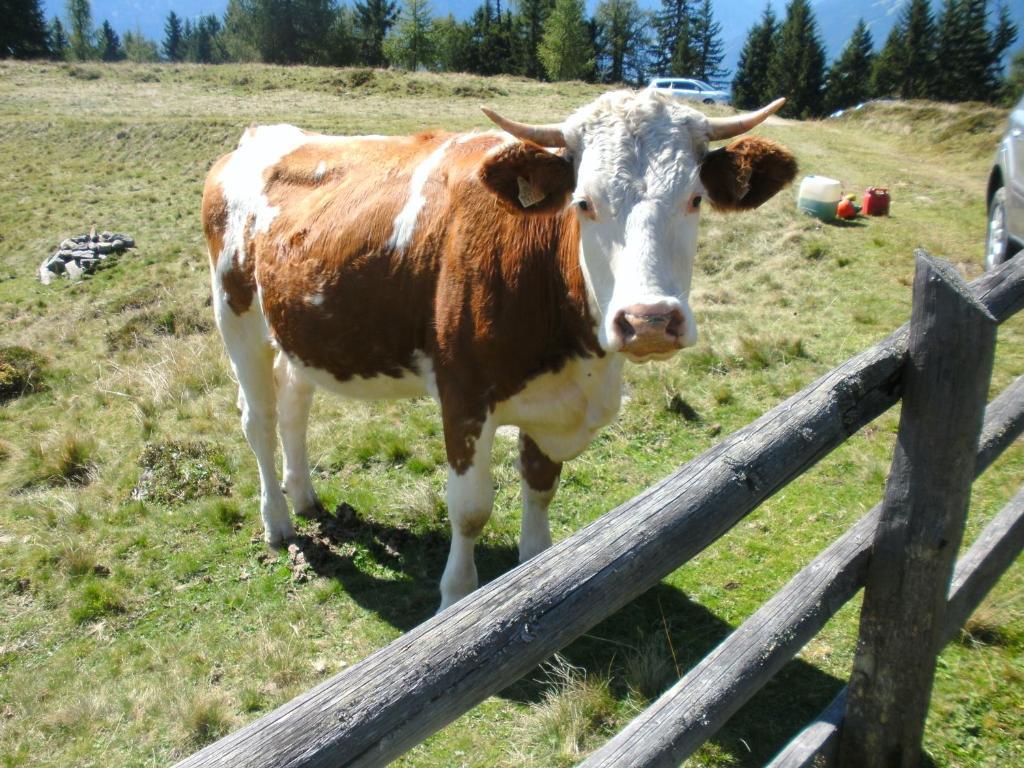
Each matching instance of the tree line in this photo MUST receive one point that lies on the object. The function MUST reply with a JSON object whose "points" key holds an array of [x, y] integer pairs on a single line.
{"points": [[954, 55], [544, 39]]}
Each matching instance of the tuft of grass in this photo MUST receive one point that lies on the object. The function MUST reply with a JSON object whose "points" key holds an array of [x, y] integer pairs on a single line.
{"points": [[175, 472], [67, 461], [21, 372], [723, 394], [575, 712], [223, 514], [759, 352], [814, 250], [650, 668], [96, 600], [206, 718]]}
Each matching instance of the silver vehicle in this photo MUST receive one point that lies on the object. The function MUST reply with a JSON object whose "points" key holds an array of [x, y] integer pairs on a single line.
{"points": [[1006, 194], [688, 88]]}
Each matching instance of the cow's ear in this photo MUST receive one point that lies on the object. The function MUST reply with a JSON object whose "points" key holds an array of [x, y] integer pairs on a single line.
{"points": [[745, 173], [526, 178]]}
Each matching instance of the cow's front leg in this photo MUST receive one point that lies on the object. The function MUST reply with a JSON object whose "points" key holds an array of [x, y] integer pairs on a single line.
{"points": [[539, 482], [470, 499]]}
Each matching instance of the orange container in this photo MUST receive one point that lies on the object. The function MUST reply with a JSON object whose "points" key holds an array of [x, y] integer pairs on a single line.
{"points": [[876, 201]]}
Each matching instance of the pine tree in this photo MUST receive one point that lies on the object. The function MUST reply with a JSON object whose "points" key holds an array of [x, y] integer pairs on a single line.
{"points": [[1013, 87], [888, 65], [621, 41], [24, 34], [1004, 36], [410, 44], [708, 46], [848, 79], [566, 50], [750, 87], [452, 43], [80, 16], [797, 67], [532, 15], [947, 80], [674, 52], [172, 45], [240, 36], [110, 43], [373, 20], [140, 49], [58, 40]]}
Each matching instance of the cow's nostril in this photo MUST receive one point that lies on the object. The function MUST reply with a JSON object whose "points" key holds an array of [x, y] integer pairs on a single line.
{"points": [[625, 330], [676, 324]]}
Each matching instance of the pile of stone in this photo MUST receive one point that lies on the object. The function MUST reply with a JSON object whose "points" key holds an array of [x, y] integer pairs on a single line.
{"points": [[83, 254]]}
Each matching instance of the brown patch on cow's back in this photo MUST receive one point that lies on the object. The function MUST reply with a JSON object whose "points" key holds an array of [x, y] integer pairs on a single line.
{"points": [[215, 210]]}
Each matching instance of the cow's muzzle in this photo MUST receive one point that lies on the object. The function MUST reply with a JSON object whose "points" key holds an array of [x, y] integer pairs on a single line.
{"points": [[650, 331]]}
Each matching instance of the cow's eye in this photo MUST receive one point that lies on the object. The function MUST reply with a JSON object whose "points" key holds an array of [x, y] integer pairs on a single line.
{"points": [[694, 203], [585, 207]]}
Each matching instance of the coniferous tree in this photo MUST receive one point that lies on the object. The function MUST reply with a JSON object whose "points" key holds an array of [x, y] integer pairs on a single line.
{"points": [[566, 50], [409, 44], [621, 41], [58, 40], [140, 49], [707, 43], [532, 15], [80, 17], [240, 36], [888, 65], [172, 45], [23, 34], [674, 52], [797, 66], [1013, 88], [750, 86], [1004, 35], [452, 41], [373, 20], [110, 43], [848, 79]]}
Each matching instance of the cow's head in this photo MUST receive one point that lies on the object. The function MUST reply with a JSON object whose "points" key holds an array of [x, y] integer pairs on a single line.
{"points": [[635, 167]]}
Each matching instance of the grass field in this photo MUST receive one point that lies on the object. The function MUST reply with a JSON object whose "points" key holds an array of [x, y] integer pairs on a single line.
{"points": [[142, 617]]}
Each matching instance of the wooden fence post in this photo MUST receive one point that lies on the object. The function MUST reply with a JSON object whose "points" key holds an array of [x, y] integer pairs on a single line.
{"points": [[952, 340]]}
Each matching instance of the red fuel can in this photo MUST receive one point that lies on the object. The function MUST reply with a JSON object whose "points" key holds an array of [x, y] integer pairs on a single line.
{"points": [[876, 201]]}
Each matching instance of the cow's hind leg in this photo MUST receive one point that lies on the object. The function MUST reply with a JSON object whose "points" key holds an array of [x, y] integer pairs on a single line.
{"points": [[294, 398], [470, 500], [252, 359], [539, 483]]}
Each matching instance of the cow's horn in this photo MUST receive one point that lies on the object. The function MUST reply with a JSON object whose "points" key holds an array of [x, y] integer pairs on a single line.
{"points": [[545, 135], [727, 127]]}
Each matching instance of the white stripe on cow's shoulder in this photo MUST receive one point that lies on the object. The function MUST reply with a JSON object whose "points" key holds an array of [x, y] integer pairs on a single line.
{"points": [[243, 184], [405, 222]]}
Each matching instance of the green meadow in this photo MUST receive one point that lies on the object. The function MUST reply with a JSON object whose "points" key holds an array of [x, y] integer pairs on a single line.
{"points": [[141, 615]]}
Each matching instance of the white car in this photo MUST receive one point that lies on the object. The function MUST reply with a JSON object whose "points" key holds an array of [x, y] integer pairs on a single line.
{"points": [[1006, 194], [688, 88]]}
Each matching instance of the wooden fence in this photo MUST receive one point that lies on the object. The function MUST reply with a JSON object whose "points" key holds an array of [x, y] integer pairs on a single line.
{"points": [[940, 363]]}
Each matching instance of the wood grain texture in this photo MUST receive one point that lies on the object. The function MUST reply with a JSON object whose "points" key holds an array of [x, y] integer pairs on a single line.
{"points": [[997, 547], [393, 699], [693, 710], [946, 380]]}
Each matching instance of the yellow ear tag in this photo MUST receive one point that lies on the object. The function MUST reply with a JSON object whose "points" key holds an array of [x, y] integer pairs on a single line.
{"points": [[528, 194]]}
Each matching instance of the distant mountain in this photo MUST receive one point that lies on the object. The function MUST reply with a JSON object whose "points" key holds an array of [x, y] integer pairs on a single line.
{"points": [[836, 18]]}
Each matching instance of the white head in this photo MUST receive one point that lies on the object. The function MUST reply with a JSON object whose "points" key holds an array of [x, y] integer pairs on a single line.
{"points": [[640, 169]]}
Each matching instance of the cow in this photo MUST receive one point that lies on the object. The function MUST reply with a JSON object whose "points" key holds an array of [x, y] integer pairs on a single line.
{"points": [[509, 274]]}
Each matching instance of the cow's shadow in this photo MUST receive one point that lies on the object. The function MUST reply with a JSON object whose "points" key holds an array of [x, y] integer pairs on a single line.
{"points": [[394, 573]]}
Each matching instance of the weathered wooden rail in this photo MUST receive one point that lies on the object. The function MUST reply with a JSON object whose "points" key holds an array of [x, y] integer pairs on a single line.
{"points": [[390, 701]]}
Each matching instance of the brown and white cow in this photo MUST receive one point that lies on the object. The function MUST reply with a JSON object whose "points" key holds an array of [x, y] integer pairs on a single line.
{"points": [[509, 274]]}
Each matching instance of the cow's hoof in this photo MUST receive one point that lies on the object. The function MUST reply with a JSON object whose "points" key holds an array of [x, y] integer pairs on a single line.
{"points": [[280, 538], [313, 511]]}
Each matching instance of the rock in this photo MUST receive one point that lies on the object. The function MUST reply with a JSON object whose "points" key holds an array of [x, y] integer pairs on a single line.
{"points": [[129, 242], [104, 248], [64, 254], [106, 236], [85, 246], [45, 275], [55, 265], [118, 245], [75, 272], [88, 265], [80, 239], [67, 245]]}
